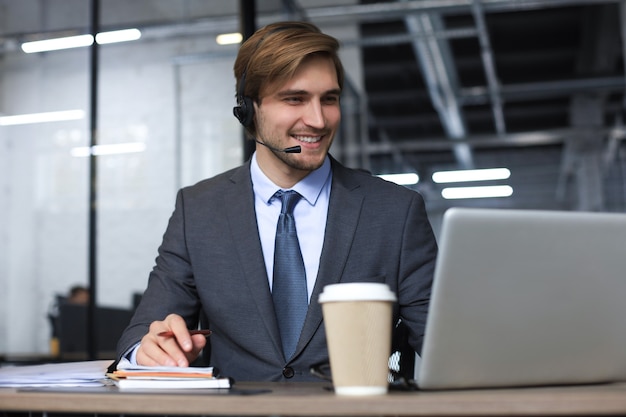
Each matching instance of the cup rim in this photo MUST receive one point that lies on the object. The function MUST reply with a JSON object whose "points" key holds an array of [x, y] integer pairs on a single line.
{"points": [[357, 291]]}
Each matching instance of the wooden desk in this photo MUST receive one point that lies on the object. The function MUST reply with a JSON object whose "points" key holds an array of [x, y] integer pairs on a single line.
{"points": [[303, 399]]}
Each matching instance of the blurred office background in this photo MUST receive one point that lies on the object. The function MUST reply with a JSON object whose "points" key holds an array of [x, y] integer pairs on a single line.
{"points": [[532, 88]]}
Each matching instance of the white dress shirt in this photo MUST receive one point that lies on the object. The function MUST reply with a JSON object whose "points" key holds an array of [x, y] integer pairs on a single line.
{"points": [[309, 214]]}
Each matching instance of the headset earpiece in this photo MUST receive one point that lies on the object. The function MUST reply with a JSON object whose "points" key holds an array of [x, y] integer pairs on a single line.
{"points": [[244, 112]]}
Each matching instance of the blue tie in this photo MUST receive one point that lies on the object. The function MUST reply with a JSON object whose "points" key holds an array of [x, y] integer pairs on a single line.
{"points": [[289, 290]]}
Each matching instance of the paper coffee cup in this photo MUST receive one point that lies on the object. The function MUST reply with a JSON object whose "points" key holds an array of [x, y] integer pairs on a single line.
{"points": [[358, 322]]}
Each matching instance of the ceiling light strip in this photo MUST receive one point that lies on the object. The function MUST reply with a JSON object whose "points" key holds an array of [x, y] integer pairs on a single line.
{"points": [[57, 44], [401, 179], [53, 116], [112, 149], [79, 41], [229, 38], [115, 36], [468, 175], [457, 193]]}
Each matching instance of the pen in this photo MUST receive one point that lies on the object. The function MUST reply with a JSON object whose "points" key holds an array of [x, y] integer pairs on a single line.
{"points": [[170, 333]]}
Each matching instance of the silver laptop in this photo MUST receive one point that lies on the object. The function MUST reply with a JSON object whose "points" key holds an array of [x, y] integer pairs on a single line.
{"points": [[527, 298]]}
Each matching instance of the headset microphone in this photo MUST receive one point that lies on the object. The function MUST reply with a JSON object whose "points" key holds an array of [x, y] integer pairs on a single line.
{"points": [[292, 149]]}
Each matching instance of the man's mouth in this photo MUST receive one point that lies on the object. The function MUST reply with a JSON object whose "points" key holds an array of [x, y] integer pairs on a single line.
{"points": [[307, 139]]}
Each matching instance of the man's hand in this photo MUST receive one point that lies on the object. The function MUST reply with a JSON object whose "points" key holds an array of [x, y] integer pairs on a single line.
{"points": [[178, 350]]}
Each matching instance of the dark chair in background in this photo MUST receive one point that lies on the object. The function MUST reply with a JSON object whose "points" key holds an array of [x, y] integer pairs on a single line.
{"points": [[71, 329]]}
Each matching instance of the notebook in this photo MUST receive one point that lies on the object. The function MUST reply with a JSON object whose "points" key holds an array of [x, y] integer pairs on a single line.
{"points": [[526, 298]]}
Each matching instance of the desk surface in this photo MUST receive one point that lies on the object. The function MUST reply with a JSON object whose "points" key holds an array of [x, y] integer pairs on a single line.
{"points": [[302, 399]]}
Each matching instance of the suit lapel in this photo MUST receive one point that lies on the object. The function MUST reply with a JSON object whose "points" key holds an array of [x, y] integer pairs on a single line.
{"points": [[343, 216], [239, 201]]}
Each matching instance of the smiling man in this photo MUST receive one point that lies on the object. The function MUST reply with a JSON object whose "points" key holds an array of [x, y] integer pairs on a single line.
{"points": [[291, 207], [304, 111]]}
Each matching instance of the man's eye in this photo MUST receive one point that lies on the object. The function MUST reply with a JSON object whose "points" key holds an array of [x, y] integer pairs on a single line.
{"points": [[293, 99], [331, 99]]}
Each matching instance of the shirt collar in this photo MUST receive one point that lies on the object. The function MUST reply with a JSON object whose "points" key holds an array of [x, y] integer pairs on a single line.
{"points": [[309, 187]]}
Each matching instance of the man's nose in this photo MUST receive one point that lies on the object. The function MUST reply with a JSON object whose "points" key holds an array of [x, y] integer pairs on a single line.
{"points": [[314, 115]]}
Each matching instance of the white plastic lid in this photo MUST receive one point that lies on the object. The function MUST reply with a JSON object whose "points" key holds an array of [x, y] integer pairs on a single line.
{"points": [[357, 291]]}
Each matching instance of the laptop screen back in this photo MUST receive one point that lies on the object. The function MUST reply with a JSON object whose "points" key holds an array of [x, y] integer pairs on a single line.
{"points": [[523, 297]]}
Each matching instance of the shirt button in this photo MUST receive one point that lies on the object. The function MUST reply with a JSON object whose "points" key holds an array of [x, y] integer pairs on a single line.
{"points": [[288, 372]]}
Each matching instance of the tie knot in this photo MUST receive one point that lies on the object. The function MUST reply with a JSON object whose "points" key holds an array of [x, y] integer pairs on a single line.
{"points": [[289, 199]]}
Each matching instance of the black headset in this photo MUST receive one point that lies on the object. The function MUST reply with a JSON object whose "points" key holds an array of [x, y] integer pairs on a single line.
{"points": [[244, 111]]}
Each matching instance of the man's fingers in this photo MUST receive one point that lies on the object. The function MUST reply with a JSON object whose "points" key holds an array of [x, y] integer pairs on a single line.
{"points": [[178, 327], [168, 343], [151, 354], [161, 351]]}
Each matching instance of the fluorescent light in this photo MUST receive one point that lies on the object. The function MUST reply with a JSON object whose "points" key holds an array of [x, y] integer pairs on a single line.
{"points": [[57, 43], [118, 36], [401, 179], [454, 193], [115, 149], [228, 38], [471, 175], [78, 41], [53, 116]]}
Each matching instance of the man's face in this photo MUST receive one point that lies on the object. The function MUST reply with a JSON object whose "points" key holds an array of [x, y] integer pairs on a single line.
{"points": [[305, 112]]}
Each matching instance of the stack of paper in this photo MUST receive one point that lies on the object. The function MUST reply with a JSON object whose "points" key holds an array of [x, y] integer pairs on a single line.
{"points": [[72, 374], [128, 376]]}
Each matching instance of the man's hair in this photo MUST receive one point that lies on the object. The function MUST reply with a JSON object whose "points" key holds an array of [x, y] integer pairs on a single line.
{"points": [[274, 53]]}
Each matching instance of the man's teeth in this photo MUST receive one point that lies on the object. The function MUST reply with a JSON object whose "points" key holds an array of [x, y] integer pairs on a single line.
{"points": [[308, 139]]}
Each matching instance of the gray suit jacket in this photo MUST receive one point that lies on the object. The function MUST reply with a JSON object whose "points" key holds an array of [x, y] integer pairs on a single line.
{"points": [[210, 260]]}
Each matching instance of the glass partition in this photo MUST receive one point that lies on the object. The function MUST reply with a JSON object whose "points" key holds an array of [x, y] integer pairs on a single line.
{"points": [[164, 120]]}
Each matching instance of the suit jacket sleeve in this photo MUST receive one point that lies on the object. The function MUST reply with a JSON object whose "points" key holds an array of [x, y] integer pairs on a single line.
{"points": [[417, 264], [379, 232]]}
